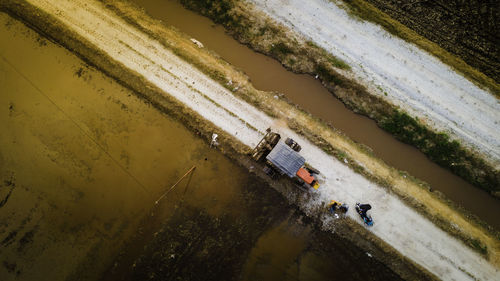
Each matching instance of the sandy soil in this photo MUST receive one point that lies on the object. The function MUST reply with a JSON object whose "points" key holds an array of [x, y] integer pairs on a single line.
{"points": [[412, 79], [397, 224]]}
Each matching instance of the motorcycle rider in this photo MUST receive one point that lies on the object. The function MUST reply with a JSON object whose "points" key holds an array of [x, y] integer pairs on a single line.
{"points": [[362, 209]]}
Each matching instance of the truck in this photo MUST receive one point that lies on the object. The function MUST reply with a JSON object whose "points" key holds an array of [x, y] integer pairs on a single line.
{"points": [[282, 157]]}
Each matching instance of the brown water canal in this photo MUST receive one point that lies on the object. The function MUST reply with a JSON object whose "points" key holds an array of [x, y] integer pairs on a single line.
{"points": [[82, 161], [268, 74]]}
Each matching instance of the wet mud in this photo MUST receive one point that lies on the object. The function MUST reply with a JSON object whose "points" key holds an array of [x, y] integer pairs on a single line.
{"points": [[268, 240], [83, 161], [6, 190]]}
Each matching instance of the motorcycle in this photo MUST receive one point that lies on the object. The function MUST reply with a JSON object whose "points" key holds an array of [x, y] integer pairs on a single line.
{"points": [[362, 209]]}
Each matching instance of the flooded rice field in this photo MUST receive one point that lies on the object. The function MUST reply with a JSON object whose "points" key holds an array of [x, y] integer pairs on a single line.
{"points": [[83, 161], [268, 74]]}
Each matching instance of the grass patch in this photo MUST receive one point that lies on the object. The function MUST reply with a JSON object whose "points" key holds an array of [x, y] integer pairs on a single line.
{"points": [[478, 246], [326, 74], [442, 150], [217, 10], [280, 49]]}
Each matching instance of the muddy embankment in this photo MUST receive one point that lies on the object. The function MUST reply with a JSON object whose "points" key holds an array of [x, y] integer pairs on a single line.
{"points": [[264, 240], [265, 36], [468, 29]]}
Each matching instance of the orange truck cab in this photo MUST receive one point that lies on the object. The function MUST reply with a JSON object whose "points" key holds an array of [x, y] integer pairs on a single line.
{"points": [[307, 177]]}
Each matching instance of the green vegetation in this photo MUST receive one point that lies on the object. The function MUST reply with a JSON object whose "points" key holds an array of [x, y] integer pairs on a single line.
{"points": [[280, 48], [366, 11], [440, 149], [326, 75], [478, 246], [219, 11]]}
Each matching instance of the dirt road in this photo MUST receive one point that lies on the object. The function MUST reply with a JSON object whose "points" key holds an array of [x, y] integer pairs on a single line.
{"points": [[397, 224]]}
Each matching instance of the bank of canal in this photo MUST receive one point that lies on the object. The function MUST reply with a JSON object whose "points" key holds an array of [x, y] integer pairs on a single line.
{"points": [[82, 161], [268, 74]]}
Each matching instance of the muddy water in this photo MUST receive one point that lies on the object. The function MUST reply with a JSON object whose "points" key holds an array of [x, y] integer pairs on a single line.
{"points": [[82, 161], [267, 74]]}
